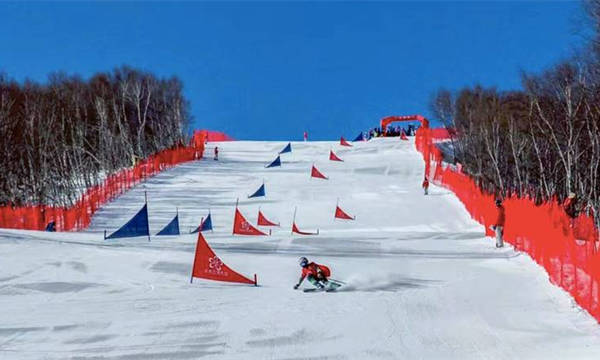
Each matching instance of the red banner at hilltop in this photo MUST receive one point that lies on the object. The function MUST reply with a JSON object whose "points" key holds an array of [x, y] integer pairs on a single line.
{"points": [[207, 265]]}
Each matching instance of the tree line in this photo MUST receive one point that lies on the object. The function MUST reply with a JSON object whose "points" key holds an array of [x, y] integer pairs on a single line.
{"points": [[63, 136], [542, 141]]}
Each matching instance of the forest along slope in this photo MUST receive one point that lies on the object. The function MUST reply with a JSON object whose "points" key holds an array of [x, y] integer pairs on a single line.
{"points": [[422, 280]]}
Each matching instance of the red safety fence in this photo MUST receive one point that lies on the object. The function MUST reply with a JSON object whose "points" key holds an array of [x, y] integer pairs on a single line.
{"points": [[567, 248], [78, 216], [210, 136]]}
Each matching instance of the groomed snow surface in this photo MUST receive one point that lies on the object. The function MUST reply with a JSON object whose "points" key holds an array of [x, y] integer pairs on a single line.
{"points": [[423, 281]]}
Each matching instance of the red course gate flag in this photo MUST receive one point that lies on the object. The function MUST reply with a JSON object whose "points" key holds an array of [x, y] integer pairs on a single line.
{"points": [[263, 221], [333, 156], [241, 226], [317, 174], [298, 231], [341, 214], [343, 142], [403, 135], [208, 266]]}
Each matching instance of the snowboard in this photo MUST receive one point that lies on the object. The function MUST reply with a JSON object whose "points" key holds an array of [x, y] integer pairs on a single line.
{"points": [[331, 286]]}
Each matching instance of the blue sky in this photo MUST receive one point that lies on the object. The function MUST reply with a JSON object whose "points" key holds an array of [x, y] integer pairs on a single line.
{"points": [[274, 69]]}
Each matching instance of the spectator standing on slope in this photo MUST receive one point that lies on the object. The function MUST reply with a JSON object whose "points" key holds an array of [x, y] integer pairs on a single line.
{"points": [[498, 226], [426, 185], [570, 206], [216, 153]]}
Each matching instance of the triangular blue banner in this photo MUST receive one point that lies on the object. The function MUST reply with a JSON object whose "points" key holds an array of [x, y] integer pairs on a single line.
{"points": [[276, 162], [172, 228], [205, 225], [259, 192], [286, 149], [137, 226], [359, 137]]}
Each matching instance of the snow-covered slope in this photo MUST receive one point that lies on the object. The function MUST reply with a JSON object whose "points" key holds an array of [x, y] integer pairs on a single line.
{"points": [[423, 282]]}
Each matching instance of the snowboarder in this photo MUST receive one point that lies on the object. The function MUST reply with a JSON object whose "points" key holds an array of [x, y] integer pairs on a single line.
{"points": [[305, 136], [216, 153], [315, 273], [498, 226], [425, 185]]}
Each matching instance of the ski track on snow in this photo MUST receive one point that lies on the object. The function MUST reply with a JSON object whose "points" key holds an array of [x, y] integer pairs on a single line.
{"points": [[422, 281]]}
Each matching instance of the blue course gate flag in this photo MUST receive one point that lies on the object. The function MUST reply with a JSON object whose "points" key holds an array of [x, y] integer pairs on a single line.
{"points": [[172, 228], [205, 225], [259, 192], [137, 226], [286, 149], [359, 137], [276, 162]]}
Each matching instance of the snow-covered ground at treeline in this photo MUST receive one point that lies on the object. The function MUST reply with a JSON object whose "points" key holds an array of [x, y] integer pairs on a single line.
{"points": [[423, 281]]}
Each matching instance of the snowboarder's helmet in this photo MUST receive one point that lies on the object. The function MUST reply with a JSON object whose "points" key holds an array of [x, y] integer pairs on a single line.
{"points": [[303, 261]]}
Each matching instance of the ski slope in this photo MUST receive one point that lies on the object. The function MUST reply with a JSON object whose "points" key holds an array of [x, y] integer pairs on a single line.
{"points": [[423, 281]]}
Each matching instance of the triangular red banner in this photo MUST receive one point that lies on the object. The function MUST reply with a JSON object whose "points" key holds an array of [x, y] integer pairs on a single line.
{"points": [[242, 227], [403, 135], [207, 265], [343, 142], [317, 174], [263, 221], [297, 231], [340, 214], [333, 156]]}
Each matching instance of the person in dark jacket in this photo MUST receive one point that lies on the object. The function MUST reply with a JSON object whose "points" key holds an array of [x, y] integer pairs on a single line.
{"points": [[570, 206]]}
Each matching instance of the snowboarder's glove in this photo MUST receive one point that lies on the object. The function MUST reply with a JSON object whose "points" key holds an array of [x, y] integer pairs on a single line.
{"points": [[296, 286]]}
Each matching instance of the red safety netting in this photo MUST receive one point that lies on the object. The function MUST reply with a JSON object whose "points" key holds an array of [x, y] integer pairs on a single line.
{"points": [[210, 136], [78, 216], [567, 248]]}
